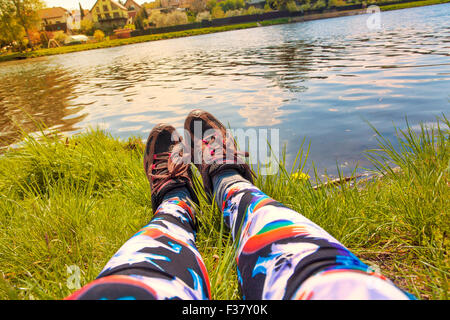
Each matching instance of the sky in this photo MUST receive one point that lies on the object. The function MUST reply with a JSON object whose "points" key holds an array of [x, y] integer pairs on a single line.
{"points": [[73, 4]]}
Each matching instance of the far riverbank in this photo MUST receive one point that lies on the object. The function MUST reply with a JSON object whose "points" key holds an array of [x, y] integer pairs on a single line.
{"points": [[207, 30]]}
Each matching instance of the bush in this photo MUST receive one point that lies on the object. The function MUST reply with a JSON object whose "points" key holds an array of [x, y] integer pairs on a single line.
{"points": [[197, 6], [205, 15], [60, 36], [253, 10], [217, 12], [35, 37], [336, 3], [234, 13], [129, 26], [44, 38], [99, 35], [87, 27], [176, 18], [156, 19], [159, 19]]}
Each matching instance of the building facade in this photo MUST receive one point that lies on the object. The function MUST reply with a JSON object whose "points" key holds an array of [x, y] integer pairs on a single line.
{"points": [[133, 8], [55, 19], [109, 13]]}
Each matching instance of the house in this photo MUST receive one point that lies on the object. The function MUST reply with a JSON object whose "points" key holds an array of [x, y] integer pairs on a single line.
{"points": [[109, 13], [176, 3], [77, 16], [54, 19], [133, 9]]}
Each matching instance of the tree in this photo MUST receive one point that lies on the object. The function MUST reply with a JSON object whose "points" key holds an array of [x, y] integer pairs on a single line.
{"points": [[26, 14], [211, 4], [10, 31], [153, 5], [197, 6], [292, 6], [81, 12], [141, 19], [217, 12], [278, 4], [87, 27], [228, 5]]}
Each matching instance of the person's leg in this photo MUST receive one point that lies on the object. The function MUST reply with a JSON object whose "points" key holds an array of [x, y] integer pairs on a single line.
{"points": [[161, 260], [283, 255], [158, 262], [280, 253]]}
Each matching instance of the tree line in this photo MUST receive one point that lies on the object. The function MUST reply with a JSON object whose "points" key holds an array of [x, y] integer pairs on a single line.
{"points": [[200, 10], [17, 20]]}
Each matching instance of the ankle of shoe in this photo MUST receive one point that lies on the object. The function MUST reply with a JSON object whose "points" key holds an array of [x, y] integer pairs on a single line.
{"points": [[184, 198], [223, 180], [174, 189], [178, 192]]}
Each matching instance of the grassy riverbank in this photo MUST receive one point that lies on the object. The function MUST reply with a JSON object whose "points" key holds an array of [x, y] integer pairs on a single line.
{"points": [[187, 33], [412, 4], [75, 202], [133, 40]]}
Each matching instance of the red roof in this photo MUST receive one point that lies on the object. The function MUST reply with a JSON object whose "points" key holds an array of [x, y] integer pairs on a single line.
{"points": [[51, 13], [119, 5]]}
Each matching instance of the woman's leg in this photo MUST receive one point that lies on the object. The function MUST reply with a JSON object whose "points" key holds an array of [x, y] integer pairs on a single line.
{"points": [[159, 262], [283, 255]]}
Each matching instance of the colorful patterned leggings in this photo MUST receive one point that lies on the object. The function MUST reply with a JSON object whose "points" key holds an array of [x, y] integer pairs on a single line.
{"points": [[280, 255]]}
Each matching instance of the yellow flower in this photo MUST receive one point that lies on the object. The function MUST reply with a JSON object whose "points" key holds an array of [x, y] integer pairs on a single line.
{"points": [[300, 176]]}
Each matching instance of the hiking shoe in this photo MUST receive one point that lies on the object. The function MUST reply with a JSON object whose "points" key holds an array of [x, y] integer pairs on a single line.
{"points": [[165, 163], [213, 149]]}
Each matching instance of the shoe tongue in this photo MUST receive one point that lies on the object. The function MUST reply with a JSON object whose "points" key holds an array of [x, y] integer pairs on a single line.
{"points": [[199, 124], [176, 148], [163, 140], [177, 154]]}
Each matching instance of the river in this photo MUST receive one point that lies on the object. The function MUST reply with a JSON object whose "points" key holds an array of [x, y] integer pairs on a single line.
{"points": [[318, 80]]}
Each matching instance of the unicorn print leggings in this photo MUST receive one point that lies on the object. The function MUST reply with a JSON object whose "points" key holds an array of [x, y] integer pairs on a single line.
{"points": [[280, 254]]}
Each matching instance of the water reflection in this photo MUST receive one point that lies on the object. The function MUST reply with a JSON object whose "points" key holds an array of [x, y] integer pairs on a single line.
{"points": [[32, 96]]}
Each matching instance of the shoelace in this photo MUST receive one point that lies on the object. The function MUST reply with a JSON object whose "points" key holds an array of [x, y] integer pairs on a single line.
{"points": [[213, 145], [166, 168]]}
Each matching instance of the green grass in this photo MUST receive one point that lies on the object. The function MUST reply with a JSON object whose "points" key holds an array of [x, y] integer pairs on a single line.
{"points": [[75, 202], [412, 4]]}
